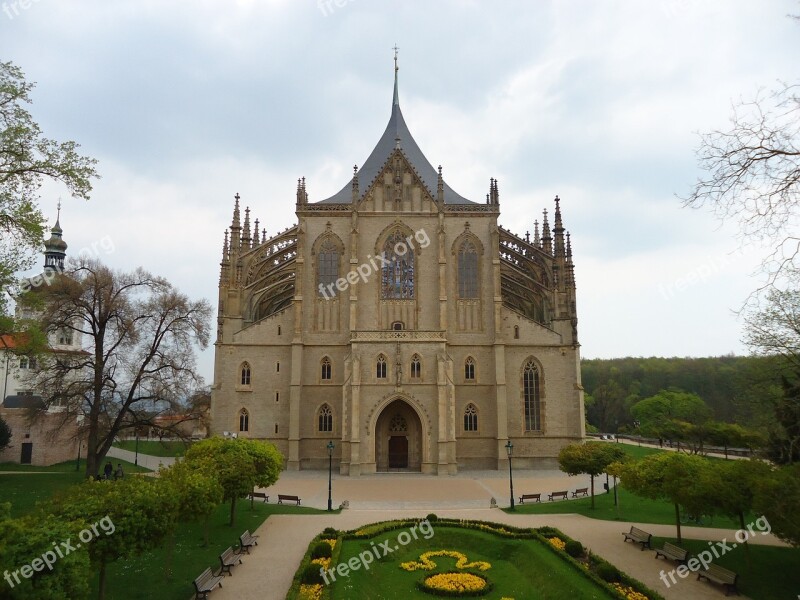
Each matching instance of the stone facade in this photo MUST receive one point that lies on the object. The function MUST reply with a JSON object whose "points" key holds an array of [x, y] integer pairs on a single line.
{"points": [[50, 439], [397, 319]]}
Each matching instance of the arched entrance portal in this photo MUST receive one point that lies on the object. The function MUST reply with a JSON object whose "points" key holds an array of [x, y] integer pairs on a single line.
{"points": [[398, 438]]}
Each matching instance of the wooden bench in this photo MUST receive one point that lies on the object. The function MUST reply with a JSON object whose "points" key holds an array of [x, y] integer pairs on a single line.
{"points": [[247, 541], [227, 559], [638, 536], [563, 495], [673, 552], [537, 497], [254, 495], [282, 497], [721, 576], [583, 491], [205, 583]]}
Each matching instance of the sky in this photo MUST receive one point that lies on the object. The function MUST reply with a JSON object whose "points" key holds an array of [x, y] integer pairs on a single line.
{"points": [[187, 103]]}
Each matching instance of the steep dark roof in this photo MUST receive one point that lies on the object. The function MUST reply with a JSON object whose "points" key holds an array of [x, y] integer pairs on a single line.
{"points": [[395, 135]]}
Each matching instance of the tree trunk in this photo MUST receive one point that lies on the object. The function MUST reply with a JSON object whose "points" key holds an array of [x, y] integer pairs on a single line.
{"points": [[592, 480], [101, 592], [233, 511], [678, 521]]}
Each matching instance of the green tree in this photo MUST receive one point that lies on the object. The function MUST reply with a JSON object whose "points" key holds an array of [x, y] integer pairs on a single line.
{"points": [[733, 435], [778, 498], [5, 434], [740, 481], [131, 516], [663, 414], [680, 479], [590, 459], [32, 536], [27, 159], [240, 465]]}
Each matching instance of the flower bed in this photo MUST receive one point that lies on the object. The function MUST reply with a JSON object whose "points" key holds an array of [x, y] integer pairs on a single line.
{"points": [[455, 584]]}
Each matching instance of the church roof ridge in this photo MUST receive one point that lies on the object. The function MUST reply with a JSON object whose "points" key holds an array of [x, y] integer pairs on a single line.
{"points": [[396, 135]]}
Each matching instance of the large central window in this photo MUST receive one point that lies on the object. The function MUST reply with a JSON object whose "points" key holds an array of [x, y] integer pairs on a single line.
{"points": [[531, 397], [397, 273], [468, 271], [327, 268]]}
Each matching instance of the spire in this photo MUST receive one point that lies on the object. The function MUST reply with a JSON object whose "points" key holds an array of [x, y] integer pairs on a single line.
{"points": [[558, 231], [569, 250], [546, 239], [396, 97], [440, 187], [494, 195], [536, 241], [355, 184], [55, 248], [246, 233], [236, 226], [256, 241]]}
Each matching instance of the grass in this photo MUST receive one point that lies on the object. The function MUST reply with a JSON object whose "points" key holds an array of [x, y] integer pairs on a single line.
{"points": [[144, 577], [764, 571], [155, 447], [521, 568], [24, 490]]}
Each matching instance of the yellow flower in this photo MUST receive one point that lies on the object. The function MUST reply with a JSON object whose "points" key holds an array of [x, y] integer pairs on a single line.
{"points": [[456, 582], [331, 543], [426, 564], [325, 563], [557, 542], [311, 592], [629, 592]]}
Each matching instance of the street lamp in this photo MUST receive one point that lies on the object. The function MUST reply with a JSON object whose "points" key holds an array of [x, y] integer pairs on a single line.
{"points": [[330, 470], [136, 460], [509, 450]]}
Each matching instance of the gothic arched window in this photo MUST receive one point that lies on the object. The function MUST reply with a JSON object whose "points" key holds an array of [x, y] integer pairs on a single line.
{"points": [[244, 420], [245, 374], [397, 273], [468, 270], [531, 397], [327, 268], [326, 368], [470, 418], [325, 418], [380, 371], [416, 367], [469, 369]]}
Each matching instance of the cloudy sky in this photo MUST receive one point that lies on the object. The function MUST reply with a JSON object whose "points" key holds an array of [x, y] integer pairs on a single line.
{"points": [[187, 103]]}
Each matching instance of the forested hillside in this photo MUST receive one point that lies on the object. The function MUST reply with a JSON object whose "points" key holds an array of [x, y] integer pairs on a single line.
{"points": [[736, 388]]}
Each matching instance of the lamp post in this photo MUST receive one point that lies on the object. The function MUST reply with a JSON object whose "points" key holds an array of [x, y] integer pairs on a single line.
{"points": [[509, 450], [136, 459], [330, 470], [78, 462]]}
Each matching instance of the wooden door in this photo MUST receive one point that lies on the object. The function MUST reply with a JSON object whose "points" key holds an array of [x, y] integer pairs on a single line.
{"points": [[398, 452], [27, 453]]}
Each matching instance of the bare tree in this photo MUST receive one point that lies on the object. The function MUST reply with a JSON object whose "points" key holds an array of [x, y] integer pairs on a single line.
{"points": [[753, 177], [137, 362]]}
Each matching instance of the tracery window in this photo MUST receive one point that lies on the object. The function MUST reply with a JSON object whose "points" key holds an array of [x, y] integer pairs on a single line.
{"points": [[397, 273], [325, 418], [327, 268], [469, 369], [531, 397], [381, 367], [326, 368], [416, 367], [244, 420], [470, 418], [468, 270], [245, 374], [398, 423]]}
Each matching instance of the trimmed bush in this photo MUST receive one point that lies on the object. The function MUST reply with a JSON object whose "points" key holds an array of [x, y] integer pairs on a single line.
{"points": [[574, 548], [329, 532], [608, 572], [321, 550], [311, 574], [432, 518]]}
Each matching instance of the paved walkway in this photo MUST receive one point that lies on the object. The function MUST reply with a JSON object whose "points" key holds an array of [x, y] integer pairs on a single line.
{"points": [[267, 573], [145, 460]]}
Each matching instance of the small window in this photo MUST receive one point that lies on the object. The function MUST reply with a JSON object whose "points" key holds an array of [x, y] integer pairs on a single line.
{"points": [[516, 332], [325, 418], [23, 362], [277, 396], [398, 326], [469, 369], [279, 329], [244, 420], [245, 374], [276, 428], [381, 367], [416, 367], [278, 367], [326, 369], [65, 337], [470, 418]]}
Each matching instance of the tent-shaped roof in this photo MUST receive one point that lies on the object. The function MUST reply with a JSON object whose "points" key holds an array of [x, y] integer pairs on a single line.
{"points": [[396, 135]]}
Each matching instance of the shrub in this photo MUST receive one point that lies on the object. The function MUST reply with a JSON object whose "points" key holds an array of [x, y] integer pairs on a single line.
{"points": [[329, 532], [322, 550], [432, 518], [574, 548], [608, 572], [311, 574]]}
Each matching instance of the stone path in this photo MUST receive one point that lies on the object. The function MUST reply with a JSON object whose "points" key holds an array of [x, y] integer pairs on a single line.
{"points": [[267, 573], [145, 460]]}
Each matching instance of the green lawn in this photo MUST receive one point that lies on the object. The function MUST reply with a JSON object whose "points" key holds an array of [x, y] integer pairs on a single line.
{"points": [[521, 568], [144, 577], [764, 571], [24, 490], [155, 447]]}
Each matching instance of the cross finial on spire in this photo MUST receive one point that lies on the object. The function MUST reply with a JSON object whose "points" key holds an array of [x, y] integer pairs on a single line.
{"points": [[396, 97], [395, 48]]}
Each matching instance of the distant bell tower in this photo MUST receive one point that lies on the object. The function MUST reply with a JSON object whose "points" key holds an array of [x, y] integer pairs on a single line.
{"points": [[55, 249]]}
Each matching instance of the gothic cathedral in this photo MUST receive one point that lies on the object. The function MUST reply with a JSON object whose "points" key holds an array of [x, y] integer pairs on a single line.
{"points": [[398, 320]]}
